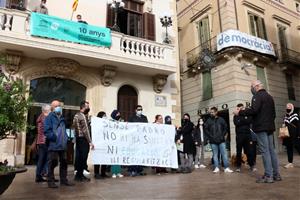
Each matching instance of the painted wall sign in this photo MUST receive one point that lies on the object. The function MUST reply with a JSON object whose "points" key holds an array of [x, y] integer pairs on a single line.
{"points": [[60, 29], [121, 143], [236, 38]]}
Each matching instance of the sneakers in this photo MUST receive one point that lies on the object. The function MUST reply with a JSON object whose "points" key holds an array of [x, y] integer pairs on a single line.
{"points": [[265, 179], [238, 170], [277, 178], [289, 165], [217, 170], [52, 185], [120, 175], [196, 167], [114, 176], [202, 166], [228, 170], [253, 169]]}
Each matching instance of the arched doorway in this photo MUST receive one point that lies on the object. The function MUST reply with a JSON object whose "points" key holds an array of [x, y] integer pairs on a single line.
{"points": [[44, 90], [127, 101]]}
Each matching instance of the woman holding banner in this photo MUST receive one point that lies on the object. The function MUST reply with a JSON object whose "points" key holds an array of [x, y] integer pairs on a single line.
{"points": [[116, 169], [186, 137]]}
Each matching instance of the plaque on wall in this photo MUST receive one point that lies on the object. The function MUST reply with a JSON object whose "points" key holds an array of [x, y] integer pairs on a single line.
{"points": [[160, 100]]}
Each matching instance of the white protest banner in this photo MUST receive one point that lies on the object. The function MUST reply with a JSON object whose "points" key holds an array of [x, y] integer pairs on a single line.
{"points": [[232, 38], [122, 143]]}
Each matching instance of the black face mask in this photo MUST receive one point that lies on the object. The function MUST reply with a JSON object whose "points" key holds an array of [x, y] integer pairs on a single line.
{"points": [[86, 111], [118, 117], [253, 91], [288, 111]]}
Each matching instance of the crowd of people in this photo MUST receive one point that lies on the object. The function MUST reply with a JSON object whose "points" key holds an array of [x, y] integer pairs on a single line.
{"points": [[254, 126]]}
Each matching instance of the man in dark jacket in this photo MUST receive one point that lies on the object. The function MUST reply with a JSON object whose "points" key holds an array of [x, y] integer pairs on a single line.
{"points": [[243, 138], [138, 117], [57, 138], [216, 128], [263, 112]]}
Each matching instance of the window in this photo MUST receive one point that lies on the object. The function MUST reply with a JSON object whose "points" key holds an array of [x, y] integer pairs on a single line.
{"points": [[257, 26], [282, 40], [261, 75], [298, 7], [204, 33], [290, 87], [207, 86], [14, 4], [132, 21]]}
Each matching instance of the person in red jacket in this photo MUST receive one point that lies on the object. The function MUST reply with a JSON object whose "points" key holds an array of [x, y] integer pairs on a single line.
{"points": [[41, 144]]}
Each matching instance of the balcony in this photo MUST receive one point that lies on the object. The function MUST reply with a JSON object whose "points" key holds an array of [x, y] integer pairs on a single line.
{"points": [[288, 56], [127, 53], [193, 55]]}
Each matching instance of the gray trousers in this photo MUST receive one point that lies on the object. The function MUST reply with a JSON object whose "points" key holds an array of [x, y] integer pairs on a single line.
{"points": [[186, 161], [199, 158]]}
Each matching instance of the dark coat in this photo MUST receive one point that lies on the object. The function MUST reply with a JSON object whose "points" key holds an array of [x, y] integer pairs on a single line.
{"points": [[55, 132], [215, 129], [188, 141], [197, 137], [293, 123], [263, 112], [242, 124], [141, 119]]}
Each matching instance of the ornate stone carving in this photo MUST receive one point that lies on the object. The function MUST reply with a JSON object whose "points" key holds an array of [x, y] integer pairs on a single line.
{"points": [[13, 61], [107, 75], [159, 81], [62, 67]]}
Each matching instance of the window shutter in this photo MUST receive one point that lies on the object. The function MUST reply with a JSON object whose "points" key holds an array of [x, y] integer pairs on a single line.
{"points": [[252, 24], [261, 28], [109, 17], [261, 75], [205, 29], [207, 86], [149, 26]]}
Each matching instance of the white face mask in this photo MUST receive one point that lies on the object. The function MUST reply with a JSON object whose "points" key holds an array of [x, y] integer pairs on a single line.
{"points": [[139, 113]]}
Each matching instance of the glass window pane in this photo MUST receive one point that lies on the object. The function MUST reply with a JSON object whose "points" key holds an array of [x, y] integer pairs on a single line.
{"points": [[44, 90]]}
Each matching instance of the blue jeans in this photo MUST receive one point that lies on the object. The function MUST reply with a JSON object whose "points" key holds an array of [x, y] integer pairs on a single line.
{"points": [[267, 150], [222, 148], [42, 160]]}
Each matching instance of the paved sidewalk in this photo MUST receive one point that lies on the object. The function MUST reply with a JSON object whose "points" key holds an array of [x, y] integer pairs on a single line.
{"points": [[201, 184]]}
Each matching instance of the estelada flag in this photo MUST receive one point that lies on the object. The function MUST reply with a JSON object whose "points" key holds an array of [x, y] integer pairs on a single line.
{"points": [[75, 4]]}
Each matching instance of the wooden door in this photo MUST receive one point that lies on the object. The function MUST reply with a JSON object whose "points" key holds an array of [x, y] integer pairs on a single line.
{"points": [[127, 101]]}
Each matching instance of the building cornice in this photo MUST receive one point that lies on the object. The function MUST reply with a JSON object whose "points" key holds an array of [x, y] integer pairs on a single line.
{"points": [[201, 12], [285, 21], [282, 8], [253, 6]]}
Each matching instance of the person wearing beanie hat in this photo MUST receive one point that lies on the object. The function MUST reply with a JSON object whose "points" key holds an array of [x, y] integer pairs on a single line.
{"points": [[116, 169], [168, 119]]}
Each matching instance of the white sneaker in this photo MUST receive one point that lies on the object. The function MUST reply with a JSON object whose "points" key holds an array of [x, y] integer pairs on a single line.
{"points": [[75, 172], [85, 172], [114, 176], [202, 166], [228, 170], [289, 165], [196, 167], [120, 175], [217, 170]]}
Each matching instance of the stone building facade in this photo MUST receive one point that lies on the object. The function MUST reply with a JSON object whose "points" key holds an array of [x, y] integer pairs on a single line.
{"points": [[138, 68], [227, 83]]}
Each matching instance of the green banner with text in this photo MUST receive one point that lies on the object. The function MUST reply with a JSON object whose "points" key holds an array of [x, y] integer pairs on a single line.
{"points": [[60, 29]]}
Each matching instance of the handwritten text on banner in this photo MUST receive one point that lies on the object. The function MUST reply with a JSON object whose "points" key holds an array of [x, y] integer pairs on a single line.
{"points": [[121, 143]]}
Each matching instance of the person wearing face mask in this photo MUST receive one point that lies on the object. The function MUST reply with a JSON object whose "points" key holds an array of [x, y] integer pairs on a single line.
{"points": [[263, 113], [116, 169], [83, 140], [216, 129], [186, 137], [291, 120], [140, 118], [41, 8], [57, 138]]}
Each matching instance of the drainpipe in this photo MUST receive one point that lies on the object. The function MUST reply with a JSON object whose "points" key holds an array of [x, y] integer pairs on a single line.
{"points": [[220, 20], [236, 17]]}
